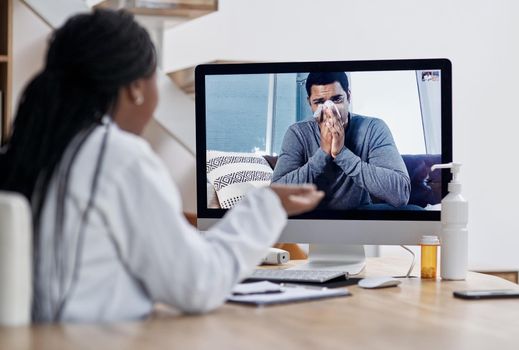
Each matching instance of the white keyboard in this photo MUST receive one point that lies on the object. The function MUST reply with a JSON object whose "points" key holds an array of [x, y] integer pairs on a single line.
{"points": [[288, 275]]}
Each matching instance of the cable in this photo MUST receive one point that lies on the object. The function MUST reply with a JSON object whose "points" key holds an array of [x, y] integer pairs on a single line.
{"points": [[412, 263]]}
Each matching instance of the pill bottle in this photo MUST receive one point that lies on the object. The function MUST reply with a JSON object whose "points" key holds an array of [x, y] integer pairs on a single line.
{"points": [[429, 256]]}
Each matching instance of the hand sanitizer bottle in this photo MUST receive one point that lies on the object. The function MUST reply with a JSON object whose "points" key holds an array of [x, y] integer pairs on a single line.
{"points": [[454, 235]]}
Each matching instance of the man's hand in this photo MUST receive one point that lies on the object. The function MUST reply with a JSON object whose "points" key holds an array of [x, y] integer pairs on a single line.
{"points": [[335, 125], [326, 135], [297, 199]]}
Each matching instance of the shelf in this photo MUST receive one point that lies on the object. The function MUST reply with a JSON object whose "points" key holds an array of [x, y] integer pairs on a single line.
{"points": [[4, 58], [177, 8], [185, 78], [509, 275]]}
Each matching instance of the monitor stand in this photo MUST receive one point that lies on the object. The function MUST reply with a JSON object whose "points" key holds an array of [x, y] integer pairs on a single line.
{"points": [[335, 257]]}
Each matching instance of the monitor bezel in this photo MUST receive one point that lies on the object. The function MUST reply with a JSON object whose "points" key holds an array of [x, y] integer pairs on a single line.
{"points": [[442, 64]]}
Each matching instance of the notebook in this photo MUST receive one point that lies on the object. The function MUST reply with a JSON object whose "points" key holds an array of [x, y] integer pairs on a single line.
{"points": [[268, 293]]}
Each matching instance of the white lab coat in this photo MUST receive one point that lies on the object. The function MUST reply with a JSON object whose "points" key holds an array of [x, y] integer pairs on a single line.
{"points": [[138, 248]]}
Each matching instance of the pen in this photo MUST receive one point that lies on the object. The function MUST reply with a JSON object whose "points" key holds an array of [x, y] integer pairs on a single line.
{"points": [[260, 292]]}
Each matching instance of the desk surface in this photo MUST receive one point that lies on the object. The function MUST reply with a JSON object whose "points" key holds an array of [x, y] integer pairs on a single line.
{"points": [[417, 315]]}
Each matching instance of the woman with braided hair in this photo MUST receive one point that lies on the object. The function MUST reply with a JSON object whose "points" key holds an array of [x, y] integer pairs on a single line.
{"points": [[110, 239]]}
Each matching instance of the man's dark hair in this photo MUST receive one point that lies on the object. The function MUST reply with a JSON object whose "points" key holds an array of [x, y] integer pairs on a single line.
{"points": [[325, 78]]}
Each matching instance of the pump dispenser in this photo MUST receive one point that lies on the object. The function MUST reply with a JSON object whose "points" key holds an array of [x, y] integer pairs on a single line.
{"points": [[454, 236]]}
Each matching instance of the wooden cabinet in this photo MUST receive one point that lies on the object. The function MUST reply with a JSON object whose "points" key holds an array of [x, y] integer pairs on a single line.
{"points": [[509, 275], [6, 44]]}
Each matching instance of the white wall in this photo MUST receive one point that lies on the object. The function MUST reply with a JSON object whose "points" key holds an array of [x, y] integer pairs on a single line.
{"points": [[478, 36]]}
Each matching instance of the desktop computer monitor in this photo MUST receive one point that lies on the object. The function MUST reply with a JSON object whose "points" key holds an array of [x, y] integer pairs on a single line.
{"points": [[272, 122]]}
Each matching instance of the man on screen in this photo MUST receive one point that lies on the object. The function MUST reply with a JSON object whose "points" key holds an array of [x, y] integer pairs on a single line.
{"points": [[352, 158]]}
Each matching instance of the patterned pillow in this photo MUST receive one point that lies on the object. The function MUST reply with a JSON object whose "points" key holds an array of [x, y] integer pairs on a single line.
{"points": [[233, 174]]}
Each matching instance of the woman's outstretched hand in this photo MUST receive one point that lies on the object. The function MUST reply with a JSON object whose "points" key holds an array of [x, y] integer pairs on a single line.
{"points": [[298, 199]]}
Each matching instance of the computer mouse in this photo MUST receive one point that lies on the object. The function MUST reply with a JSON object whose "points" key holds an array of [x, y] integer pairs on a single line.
{"points": [[379, 282]]}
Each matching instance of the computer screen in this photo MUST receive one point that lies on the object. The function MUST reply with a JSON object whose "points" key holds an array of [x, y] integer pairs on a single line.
{"points": [[365, 132]]}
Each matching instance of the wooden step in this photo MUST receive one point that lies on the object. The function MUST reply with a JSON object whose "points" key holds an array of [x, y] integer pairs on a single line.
{"points": [[180, 8]]}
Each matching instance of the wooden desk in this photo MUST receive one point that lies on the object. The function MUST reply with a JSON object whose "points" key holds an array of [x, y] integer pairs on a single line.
{"points": [[417, 315]]}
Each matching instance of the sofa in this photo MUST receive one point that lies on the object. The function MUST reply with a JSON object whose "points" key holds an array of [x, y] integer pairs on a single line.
{"points": [[425, 185]]}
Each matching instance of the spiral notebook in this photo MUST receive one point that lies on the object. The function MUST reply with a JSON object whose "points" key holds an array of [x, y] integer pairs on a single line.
{"points": [[268, 293]]}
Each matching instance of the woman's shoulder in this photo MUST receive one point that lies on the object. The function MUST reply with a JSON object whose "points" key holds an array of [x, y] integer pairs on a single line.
{"points": [[127, 143], [122, 150]]}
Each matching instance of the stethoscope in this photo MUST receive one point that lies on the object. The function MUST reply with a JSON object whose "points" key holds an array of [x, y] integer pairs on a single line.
{"points": [[64, 290]]}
